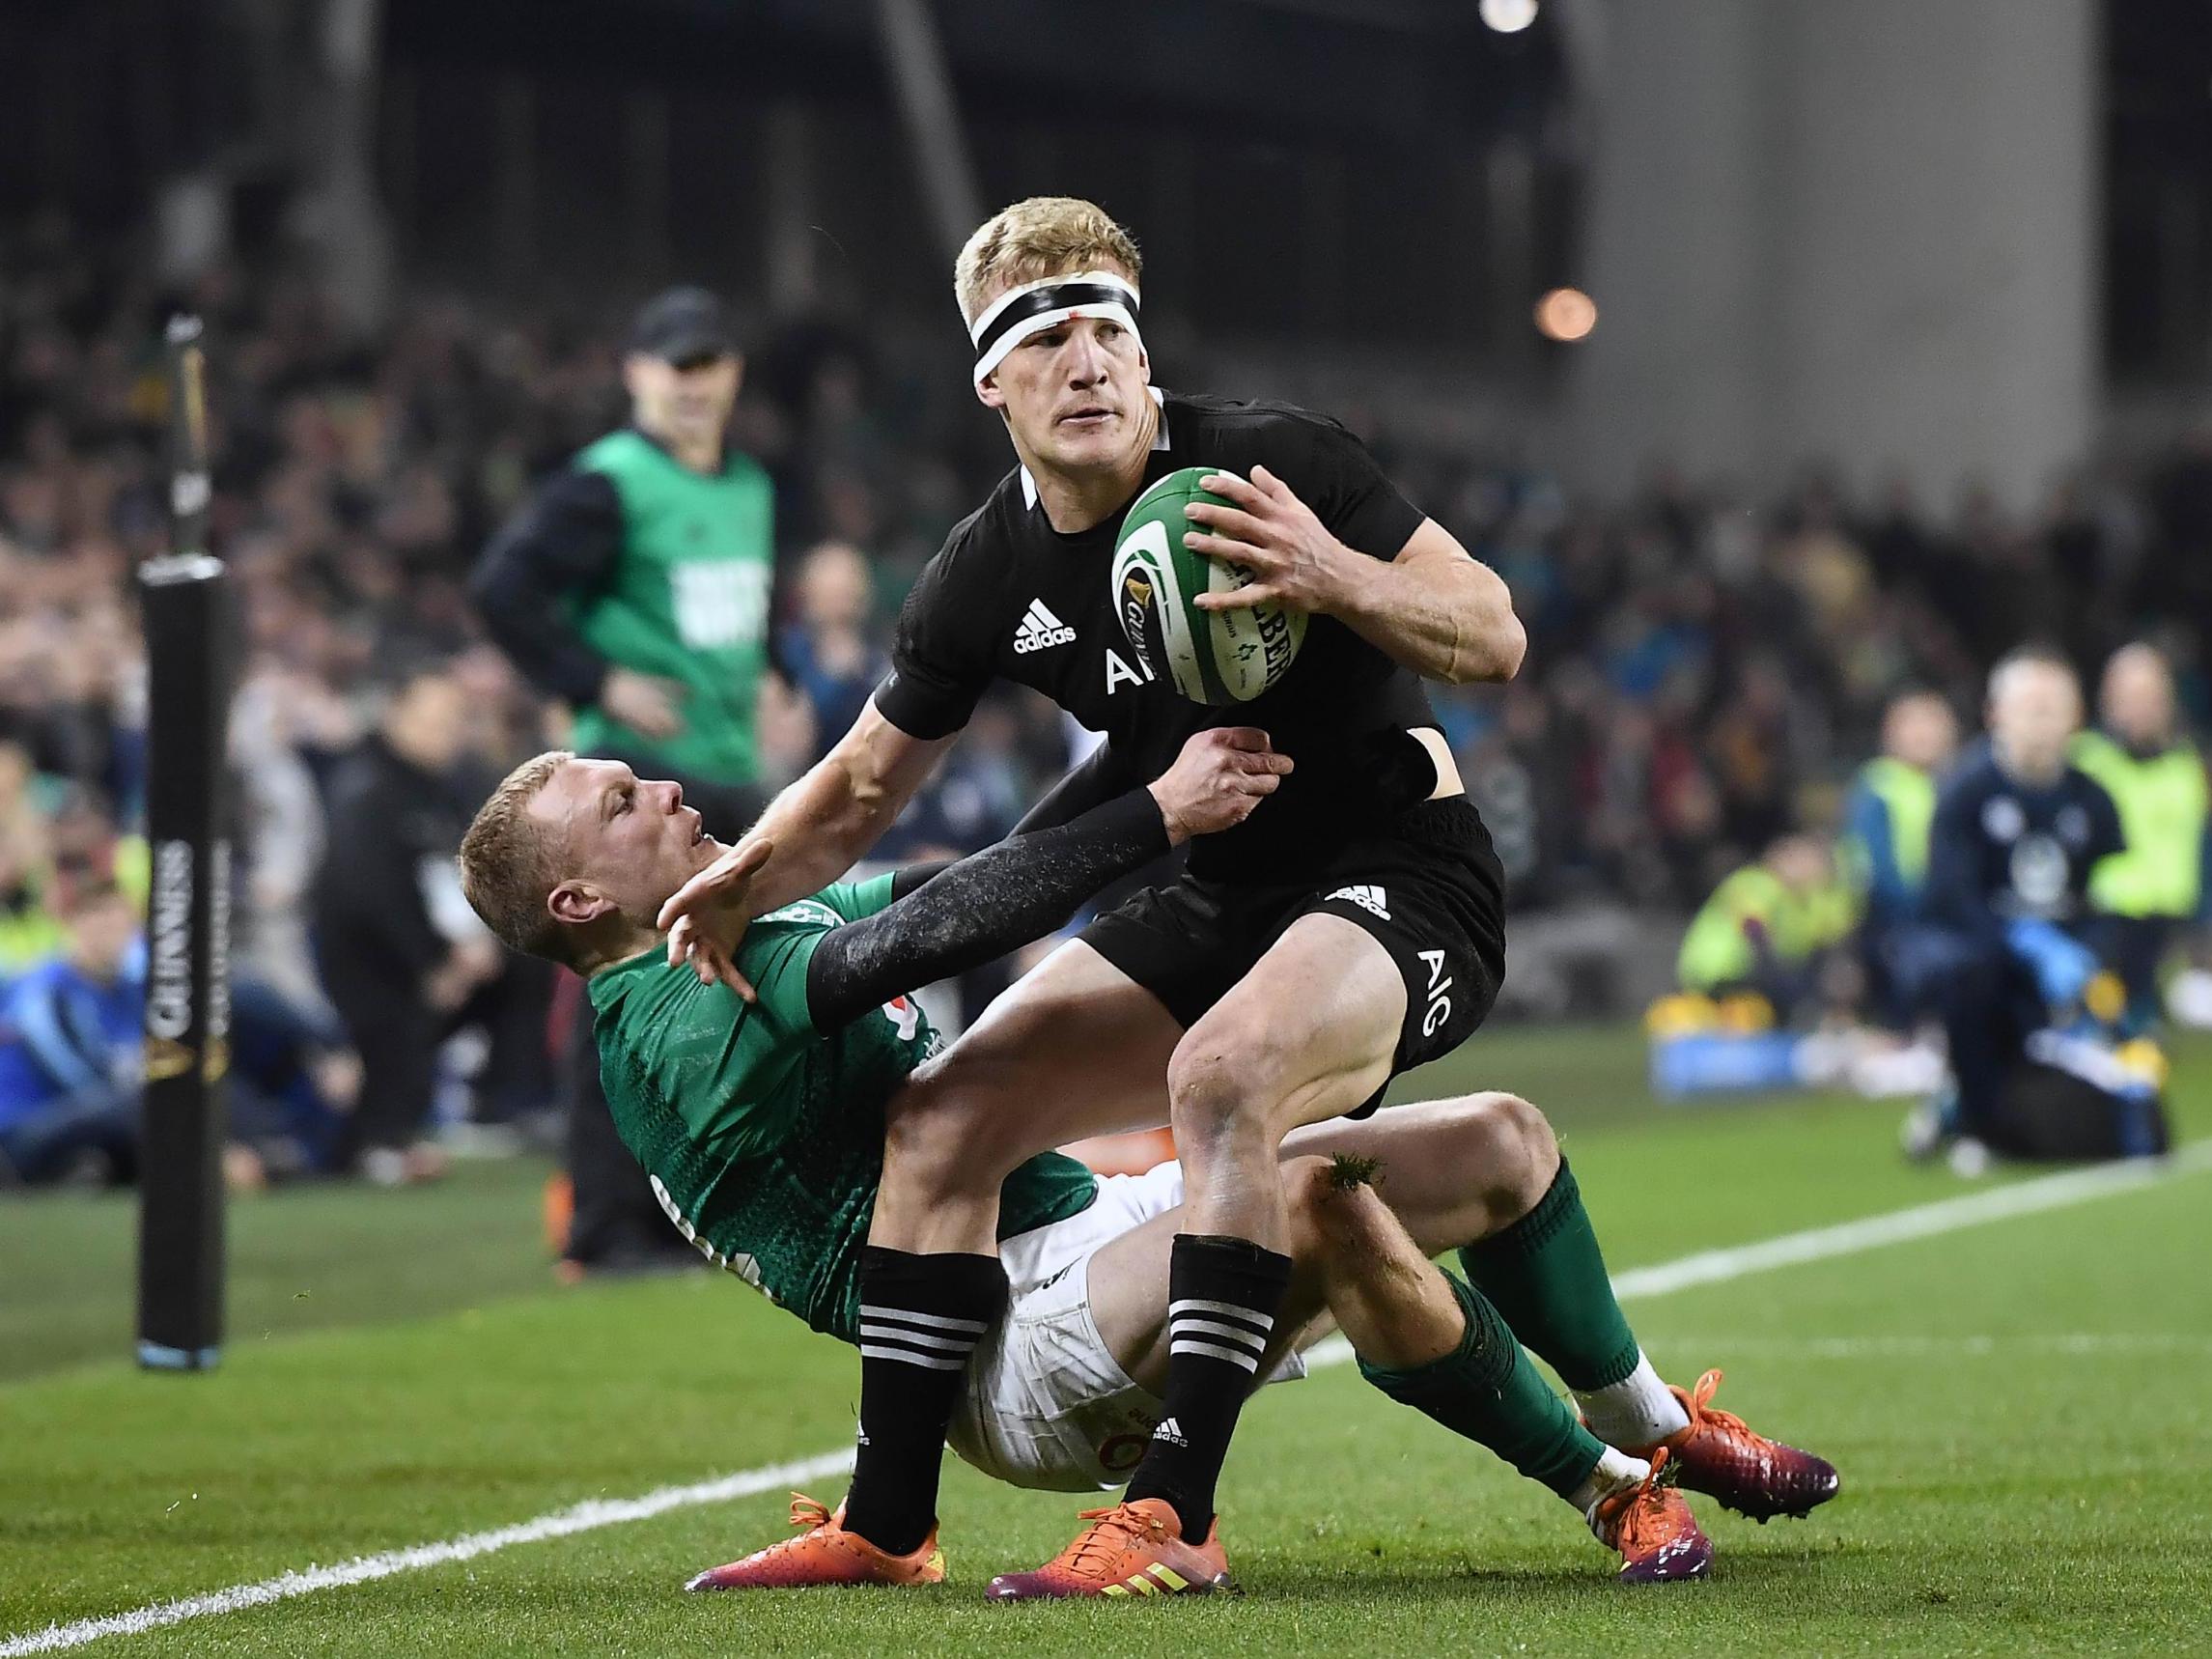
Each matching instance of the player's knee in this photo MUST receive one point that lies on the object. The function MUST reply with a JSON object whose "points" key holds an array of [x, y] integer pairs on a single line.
{"points": [[940, 1138], [1217, 1086], [917, 1149], [1512, 1150]]}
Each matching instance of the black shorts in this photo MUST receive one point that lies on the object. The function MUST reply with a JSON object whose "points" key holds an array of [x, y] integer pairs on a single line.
{"points": [[1427, 887]]}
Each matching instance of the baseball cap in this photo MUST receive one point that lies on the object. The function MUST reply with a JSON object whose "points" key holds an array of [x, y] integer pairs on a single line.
{"points": [[682, 325]]}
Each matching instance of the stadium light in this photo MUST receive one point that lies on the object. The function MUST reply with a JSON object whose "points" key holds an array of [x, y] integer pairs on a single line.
{"points": [[1566, 315], [1508, 16]]}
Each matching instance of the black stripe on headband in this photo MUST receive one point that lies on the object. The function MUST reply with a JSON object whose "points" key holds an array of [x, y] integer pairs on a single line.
{"points": [[1059, 297]]}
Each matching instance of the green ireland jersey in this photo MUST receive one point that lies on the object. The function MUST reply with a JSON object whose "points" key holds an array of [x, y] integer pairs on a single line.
{"points": [[763, 1136], [688, 599]]}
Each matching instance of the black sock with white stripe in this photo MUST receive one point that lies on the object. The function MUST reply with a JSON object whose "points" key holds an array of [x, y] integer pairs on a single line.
{"points": [[1222, 1298], [920, 1318]]}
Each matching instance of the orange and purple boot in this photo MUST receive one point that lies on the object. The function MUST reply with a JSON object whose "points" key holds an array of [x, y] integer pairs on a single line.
{"points": [[824, 1554], [1130, 1550], [1719, 1454], [1651, 1525]]}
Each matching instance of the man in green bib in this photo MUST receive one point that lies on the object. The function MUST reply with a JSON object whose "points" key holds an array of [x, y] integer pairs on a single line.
{"points": [[635, 585], [2156, 778]]}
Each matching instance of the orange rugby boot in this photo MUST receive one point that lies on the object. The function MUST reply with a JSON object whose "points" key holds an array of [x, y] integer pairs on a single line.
{"points": [[1130, 1550], [1651, 1525], [1722, 1457], [825, 1553]]}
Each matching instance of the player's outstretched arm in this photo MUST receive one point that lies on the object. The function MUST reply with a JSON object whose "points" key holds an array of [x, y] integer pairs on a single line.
{"points": [[815, 831], [1092, 781], [1433, 606], [1024, 887]]}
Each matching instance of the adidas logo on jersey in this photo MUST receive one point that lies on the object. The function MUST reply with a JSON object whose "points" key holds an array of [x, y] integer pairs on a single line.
{"points": [[1369, 899], [1040, 628], [1172, 1432]]}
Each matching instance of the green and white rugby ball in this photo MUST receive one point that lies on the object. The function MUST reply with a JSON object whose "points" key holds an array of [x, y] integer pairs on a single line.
{"points": [[1216, 656]]}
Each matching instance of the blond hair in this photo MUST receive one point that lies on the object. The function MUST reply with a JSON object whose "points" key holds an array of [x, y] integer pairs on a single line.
{"points": [[508, 863], [1043, 235]]}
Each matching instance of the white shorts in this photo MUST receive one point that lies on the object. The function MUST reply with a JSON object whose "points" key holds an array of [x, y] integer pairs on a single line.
{"points": [[1046, 1403]]}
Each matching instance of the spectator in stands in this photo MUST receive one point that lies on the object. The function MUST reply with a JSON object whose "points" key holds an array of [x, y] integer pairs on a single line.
{"points": [[398, 979], [71, 1061], [29, 930], [1771, 929], [636, 587], [829, 647], [278, 831], [292, 1081], [69, 1051], [1884, 844], [2156, 778]]}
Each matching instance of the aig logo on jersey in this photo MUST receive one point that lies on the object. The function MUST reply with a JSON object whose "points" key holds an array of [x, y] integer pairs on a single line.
{"points": [[1040, 631]]}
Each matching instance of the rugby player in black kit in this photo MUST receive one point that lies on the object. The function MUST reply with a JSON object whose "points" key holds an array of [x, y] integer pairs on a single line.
{"points": [[1349, 930]]}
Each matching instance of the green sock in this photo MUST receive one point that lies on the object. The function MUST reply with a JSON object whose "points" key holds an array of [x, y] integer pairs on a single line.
{"points": [[1486, 1390], [1547, 1276]]}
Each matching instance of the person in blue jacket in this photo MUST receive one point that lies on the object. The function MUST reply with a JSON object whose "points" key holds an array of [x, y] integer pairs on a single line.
{"points": [[71, 1064], [2016, 835], [69, 1034], [1884, 846]]}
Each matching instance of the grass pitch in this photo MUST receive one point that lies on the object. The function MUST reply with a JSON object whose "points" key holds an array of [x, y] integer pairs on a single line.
{"points": [[2019, 1410]]}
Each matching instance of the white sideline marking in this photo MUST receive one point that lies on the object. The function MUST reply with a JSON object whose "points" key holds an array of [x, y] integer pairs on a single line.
{"points": [[2041, 1345], [1923, 1220], [585, 1517], [1707, 1267], [1871, 1232]]}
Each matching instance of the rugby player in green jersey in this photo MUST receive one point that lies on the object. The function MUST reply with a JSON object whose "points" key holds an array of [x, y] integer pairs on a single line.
{"points": [[762, 1124]]}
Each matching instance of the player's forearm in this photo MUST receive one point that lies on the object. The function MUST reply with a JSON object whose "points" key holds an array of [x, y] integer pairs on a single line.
{"points": [[1092, 781], [1441, 615], [981, 907], [821, 824], [838, 809]]}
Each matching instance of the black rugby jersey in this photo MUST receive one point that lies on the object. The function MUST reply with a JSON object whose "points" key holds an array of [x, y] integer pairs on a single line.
{"points": [[2002, 851], [1008, 596]]}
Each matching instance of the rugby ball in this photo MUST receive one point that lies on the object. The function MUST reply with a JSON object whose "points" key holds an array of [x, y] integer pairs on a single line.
{"points": [[1215, 657]]}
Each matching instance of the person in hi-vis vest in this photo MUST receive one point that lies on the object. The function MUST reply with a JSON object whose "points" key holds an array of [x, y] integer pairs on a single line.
{"points": [[637, 585], [1884, 848], [2156, 777]]}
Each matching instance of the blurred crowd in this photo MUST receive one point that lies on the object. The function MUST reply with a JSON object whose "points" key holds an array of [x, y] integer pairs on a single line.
{"points": [[1704, 674], [1704, 671]]}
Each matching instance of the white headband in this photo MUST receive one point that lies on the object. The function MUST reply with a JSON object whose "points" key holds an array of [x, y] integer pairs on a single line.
{"points": [[1036, 306]]}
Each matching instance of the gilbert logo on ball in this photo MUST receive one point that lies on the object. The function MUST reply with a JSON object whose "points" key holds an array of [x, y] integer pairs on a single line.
{"points": [[1216, 656]]}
